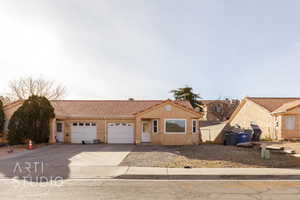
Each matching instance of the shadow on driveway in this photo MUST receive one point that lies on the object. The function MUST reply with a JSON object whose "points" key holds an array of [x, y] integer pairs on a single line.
{"points": [[62, 161]]}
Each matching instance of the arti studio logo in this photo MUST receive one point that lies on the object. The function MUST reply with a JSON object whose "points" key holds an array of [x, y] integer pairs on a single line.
{"points": [[33, 172]]}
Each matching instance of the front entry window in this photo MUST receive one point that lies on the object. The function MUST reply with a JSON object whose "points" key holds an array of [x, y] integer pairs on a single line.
{"points": [[59, 127], [175, 126], [145, 127], [195, 126], [155, 126]]}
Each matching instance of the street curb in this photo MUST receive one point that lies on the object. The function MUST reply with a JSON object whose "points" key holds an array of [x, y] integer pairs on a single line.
{"points": [[210, 177]]}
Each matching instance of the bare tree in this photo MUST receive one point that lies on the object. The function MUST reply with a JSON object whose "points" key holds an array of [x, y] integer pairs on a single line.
{"points": [[5, 100], [223, 109], [25, 87]]}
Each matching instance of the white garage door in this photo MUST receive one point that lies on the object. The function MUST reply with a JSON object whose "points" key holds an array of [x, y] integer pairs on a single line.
{"points": [[120, 133], [83, 131]]}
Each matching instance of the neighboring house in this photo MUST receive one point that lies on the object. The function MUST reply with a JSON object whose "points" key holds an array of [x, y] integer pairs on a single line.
{"points": [[278, 118], [116, 121], [210, 107]]}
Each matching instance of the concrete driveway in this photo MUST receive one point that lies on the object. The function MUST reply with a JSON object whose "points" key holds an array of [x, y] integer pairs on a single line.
{"points": [[106, 155], [76, 161]]}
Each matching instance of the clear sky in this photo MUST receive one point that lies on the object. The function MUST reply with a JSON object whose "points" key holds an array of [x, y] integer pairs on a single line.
{"points": [[116, 49]]}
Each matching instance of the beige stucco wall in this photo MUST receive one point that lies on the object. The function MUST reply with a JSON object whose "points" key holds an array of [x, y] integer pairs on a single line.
{"points": [[161, 137], [251, 112]]}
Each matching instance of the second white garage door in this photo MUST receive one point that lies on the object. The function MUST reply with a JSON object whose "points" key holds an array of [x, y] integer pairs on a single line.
{"points": [[120, 133], [83, 131]]}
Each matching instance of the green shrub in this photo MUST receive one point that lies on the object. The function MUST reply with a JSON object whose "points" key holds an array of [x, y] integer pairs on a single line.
{"points": [[31, 121]]}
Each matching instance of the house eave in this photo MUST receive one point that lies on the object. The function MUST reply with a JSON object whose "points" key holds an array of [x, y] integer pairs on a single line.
{"points": [[94, 117]]}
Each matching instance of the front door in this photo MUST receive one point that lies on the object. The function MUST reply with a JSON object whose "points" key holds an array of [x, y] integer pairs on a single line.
{"points": [[146, 136], [59, 132]]}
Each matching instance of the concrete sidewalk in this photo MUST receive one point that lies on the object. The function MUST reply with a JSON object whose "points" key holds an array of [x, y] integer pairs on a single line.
{"points": [[210, 173], [100, 172]]}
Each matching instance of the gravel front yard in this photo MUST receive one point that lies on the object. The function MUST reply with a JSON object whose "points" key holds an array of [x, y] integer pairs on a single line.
{"points": [[211, 156]]}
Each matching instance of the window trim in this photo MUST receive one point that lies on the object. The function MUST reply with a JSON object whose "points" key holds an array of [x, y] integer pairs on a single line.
{"points": [[196, 128], [157, 130], [185, 126]]}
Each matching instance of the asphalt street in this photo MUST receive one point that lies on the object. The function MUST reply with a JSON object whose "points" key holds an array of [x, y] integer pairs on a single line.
{"points": [[143, 189]]}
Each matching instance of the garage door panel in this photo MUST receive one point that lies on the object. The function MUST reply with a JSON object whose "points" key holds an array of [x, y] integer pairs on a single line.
{"points": [[120, 133], [83, 132]]}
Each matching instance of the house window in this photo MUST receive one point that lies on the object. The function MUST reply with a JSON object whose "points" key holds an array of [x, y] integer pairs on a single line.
{"points": [[290, 122], [195, 126], [155, 126], [175, 126], [59, 127]]}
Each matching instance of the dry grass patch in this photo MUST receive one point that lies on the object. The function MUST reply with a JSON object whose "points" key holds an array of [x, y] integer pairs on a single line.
{"points": [[202, 156]]}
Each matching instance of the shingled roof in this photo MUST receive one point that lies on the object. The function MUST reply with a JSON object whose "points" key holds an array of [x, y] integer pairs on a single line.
{"points": [[287, 106], [271, 104], [106, 108]]}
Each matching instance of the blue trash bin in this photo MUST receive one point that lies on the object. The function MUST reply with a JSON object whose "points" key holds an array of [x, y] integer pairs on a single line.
{"points": [[243, 137]]}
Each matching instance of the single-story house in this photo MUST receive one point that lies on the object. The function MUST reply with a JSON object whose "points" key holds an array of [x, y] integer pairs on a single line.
{"points": [[122, 121], [278, 118]]}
